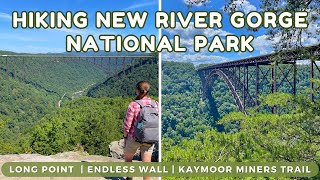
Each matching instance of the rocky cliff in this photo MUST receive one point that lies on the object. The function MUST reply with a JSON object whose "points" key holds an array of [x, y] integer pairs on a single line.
{"points": [[116, 151], [116, 155]]}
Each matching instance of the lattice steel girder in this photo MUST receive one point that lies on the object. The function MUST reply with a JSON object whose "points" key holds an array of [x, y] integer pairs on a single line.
{"points": [[285, 72], [288, 56], [242, 86], [207, 79], [238, 77]]}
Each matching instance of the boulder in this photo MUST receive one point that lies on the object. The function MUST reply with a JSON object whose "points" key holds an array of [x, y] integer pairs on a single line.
{"points": [[60, 157], [116, 149]]}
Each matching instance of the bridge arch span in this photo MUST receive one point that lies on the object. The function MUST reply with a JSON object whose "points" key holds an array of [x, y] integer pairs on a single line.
{"points": [[228, 82], [248, 78]]}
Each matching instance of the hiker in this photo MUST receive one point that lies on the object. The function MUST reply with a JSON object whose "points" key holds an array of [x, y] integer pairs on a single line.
{"points": [[131, 139]]}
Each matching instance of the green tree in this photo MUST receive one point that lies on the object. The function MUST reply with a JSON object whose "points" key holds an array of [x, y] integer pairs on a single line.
{"points": [[92, 123]]}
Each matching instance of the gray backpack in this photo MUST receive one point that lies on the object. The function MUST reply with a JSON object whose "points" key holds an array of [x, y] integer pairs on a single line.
{"points": [[147, 128]]}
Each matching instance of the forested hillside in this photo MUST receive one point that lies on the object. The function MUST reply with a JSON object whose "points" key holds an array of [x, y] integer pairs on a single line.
{"points": [[21, 105], [184, 112], [90, 124], [42, 111], [125, 85], [53, 75], [32, 88], [193, 133]]}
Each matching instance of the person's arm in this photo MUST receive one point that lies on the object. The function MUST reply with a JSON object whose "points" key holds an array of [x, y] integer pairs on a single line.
{"points": [[157, 105], [128, 121]]}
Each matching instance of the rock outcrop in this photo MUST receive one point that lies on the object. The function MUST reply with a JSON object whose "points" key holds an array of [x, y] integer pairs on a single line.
{"points": [[116, 151], [60, 157]]}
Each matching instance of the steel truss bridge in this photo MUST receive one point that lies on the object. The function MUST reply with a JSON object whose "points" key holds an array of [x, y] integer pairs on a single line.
{"points": [[113, 66], [247, 78]]}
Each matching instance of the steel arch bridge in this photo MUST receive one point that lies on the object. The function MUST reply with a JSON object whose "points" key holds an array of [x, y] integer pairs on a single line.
{"points": [[245, 77]]}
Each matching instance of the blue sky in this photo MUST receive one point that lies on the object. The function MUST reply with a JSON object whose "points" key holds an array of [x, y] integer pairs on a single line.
{"points": [[53, 40], [260, 43]]}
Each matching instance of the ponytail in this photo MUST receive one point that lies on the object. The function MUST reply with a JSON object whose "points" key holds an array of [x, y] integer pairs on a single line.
{"points": [[143, 88]]}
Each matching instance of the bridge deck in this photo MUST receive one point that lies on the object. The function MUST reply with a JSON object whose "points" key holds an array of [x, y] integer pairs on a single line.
{"points": [[246, 85], [289, 57]]}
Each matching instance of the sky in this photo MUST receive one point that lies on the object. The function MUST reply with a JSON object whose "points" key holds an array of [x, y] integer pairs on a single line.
{"points": [[53, 40], [260, 42]]}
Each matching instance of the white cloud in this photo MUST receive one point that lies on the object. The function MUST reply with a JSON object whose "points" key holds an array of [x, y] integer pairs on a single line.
{"points": [[187, 40], [246, 6], [262, 44], [190, 31], [214, 32], [309, 37], [312, 36], [5, 16], [242, 5], [140, 5], [195, 58], [196, 2], [187, 35]]}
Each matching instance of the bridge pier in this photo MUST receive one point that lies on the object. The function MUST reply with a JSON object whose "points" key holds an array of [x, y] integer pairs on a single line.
{"points": [[283, 74], [311, 79], [14, 70], [244, 87], [274, 83], [109, 67], [295, 77], [7, 64], [257, 83], [123, 65]]}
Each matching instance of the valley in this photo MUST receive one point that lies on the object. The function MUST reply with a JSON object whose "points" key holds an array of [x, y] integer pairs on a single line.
{"points": [[44, 107]]}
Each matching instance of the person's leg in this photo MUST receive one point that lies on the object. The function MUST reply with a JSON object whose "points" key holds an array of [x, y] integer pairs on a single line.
{"points": [[146, 154], [128, 156], [129, 151]]}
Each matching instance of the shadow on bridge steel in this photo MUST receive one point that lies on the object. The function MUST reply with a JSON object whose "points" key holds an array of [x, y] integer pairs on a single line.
{"points": [[212, 104], [280, 66]]}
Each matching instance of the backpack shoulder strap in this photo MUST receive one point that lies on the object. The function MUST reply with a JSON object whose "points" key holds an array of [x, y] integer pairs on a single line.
{"points": [[140, 103], [153, 103]]}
